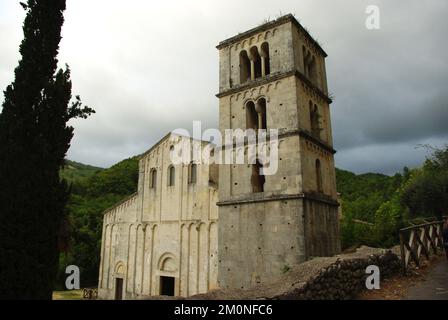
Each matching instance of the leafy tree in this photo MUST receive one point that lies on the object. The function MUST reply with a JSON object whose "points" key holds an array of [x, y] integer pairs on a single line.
{"points": [[89, 199], [389, 219], [426, 193], [34, 139]]}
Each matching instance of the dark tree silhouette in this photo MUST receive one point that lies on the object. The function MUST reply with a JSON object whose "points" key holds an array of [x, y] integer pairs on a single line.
{"points": [[34, 139]]}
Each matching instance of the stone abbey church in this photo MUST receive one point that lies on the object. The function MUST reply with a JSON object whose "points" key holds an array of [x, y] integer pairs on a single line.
{"points": [[194, 228]]}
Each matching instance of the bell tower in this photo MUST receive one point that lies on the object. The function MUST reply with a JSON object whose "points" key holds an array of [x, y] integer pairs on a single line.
{"points": [[273, 77]]}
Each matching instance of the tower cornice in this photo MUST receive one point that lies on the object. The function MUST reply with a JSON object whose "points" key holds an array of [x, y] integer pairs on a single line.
{"points": [[271, 24], [273, 78]]}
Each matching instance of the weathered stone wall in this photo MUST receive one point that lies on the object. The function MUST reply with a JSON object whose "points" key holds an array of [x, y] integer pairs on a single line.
{"points": [[321, 228], [259, 240], [263, 230], [162, 231]]}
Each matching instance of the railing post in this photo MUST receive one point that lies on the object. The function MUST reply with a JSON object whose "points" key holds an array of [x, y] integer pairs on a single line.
{"points": [[403, 253]]}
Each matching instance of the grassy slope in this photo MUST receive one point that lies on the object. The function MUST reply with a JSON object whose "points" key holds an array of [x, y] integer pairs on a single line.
{"points": [[74, 171], [91, 195]]}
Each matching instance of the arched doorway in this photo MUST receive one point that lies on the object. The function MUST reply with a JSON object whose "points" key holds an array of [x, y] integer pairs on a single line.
{"points": [[120, 271], [167, 275]]}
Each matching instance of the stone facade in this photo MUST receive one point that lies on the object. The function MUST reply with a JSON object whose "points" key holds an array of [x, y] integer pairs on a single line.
{"points": [[293, 215], [165, 234], [166, 239]]}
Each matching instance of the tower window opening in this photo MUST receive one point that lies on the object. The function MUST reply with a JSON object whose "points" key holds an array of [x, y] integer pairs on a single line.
{"points": [[305, 59], [256, 61], [192, 175], [266, 61], [261, 111], [153, 177], [251, 116], [244, 67], [314, 120], [309, 65], [257, 178], [313, 70], [319, 176], [171, 175]]}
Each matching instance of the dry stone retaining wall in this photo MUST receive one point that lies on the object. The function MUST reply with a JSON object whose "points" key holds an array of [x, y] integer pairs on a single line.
{"points": [[339, 277]]}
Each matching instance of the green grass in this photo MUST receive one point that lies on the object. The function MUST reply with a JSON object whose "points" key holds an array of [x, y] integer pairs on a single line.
{"points": [[75, 171], [68, 295]]}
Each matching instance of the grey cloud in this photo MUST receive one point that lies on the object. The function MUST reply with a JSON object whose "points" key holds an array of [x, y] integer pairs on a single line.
{"points": [[150, 67]]}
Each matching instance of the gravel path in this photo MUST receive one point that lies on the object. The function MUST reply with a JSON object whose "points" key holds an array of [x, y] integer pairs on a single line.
{"points": [[435, 287]]}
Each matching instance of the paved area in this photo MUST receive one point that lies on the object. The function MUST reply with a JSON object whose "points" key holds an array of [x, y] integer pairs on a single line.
{"points": [[435, 287]]}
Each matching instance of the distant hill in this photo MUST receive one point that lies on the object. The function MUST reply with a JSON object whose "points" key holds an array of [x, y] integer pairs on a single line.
{"points": [[93, 191], [363, 194], [352, 186], [74, 171]]}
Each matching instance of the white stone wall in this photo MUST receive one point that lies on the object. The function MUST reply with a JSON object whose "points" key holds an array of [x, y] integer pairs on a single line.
{"points": [[163, 231]]}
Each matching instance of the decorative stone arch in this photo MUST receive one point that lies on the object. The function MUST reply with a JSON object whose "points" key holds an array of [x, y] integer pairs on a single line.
{"points": [[267, 34], [256, 116], [119, 280], [120, 269], [167, 274], [167, 263], [261, 97]]}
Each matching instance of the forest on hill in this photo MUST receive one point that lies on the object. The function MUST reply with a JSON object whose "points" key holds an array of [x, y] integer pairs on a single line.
{"points": [[93, 191], [374, 206]]}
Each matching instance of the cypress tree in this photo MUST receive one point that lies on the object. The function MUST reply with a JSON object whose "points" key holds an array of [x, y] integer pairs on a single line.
{"points": [[34, 139]]}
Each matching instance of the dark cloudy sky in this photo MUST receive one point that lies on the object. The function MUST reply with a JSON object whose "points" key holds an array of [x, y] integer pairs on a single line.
{"points": [[149, 67]]}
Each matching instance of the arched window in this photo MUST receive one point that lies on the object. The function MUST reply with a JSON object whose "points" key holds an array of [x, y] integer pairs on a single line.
{"points": [[251, 116], [266, 61], [314, 120], [192, 174], [261, 110], [256, 60], [256, 114], [309, 65], [153, 178], [171, 175], [244, 66], [257, 179], [305, 60], [319, 176]]}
